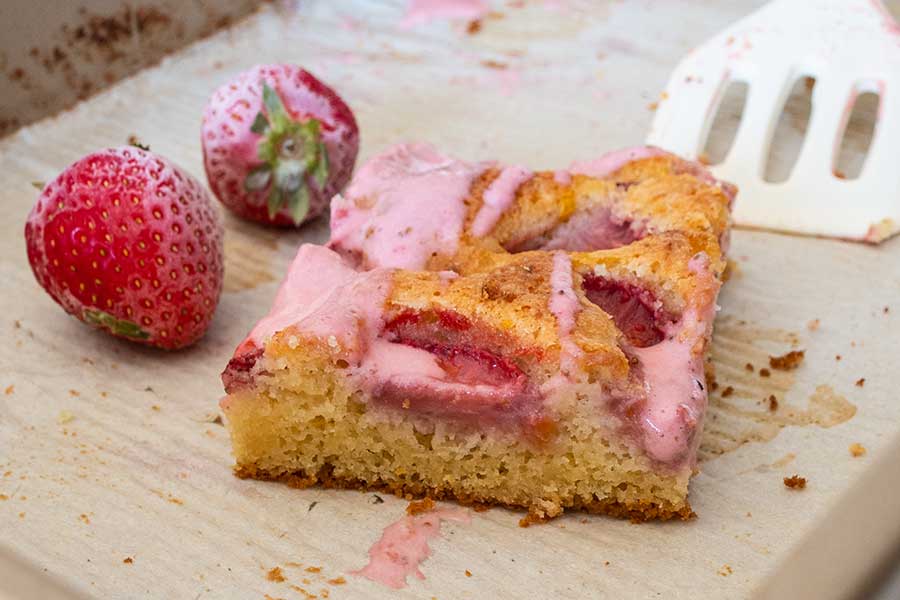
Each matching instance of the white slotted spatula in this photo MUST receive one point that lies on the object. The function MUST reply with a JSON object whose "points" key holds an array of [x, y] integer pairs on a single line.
{"points": [[849, 47]]}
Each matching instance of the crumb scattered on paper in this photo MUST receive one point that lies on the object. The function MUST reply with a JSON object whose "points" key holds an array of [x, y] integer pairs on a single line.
{"points": [[9, 390], [64, 417], [417, 507], [795, 482], [727, 391], [857, 450], [787, 362], [275, 574], [725, 571], [765, 372], [813, 325], [128, 560], [861, 382]]}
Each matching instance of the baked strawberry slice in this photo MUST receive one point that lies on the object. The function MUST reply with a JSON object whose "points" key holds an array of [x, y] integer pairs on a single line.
{"points": [[125, 240], [278, 144]]}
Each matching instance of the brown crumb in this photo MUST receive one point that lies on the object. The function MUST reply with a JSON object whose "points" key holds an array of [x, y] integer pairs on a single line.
{"points": [[155, 407], [494, 64], [773, 403], [787, 362], [84, 519], [128, 560], [748, 514], [837, 357], [725, 571], [813, 325], [765, 372], [313, 569], [857, 450], [74, 393], [795, 482], [886, 310], [653, 106], [417, 507], [305, 593], [749, 367], [4, 497], [727, 391], [275, 574], [468, 573], [337, 581], [606, 563], [9, 390], [21, 515], [861, 382], [839, 174], [473, 27], [103, 394]]}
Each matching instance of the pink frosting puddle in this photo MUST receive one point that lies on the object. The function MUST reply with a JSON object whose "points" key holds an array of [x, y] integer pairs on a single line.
{"points": [[403, 546], [402, 207], [423, 11]]}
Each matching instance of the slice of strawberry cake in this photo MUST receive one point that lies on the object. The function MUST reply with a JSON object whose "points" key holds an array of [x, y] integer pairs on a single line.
{"points": [[493, 335]]}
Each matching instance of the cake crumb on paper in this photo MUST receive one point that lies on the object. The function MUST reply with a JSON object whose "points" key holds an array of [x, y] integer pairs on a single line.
{"points": [[813, 325], [795, 482], [861, 382], [725, 571], [727, 391], [128, 560], [9, 390], [787, 362], [64, 417], [765, 372], [417, 507], [857, 450], [773, 403], [275, 574], [337, 581], [74, 393]]}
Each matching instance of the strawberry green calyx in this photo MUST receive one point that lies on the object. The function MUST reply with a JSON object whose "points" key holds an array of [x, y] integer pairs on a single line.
{"points": [[114, 325], [293, 156]]}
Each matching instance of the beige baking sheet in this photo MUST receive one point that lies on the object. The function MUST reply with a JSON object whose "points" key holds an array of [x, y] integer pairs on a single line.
{"points": [[110, 452]]}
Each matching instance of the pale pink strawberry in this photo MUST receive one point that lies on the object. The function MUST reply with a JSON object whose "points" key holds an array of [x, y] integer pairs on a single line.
{"points": [[278, 144], [125, 240]]}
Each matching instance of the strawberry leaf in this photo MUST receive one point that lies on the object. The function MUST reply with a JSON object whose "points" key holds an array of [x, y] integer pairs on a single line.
{"points": [[258, 178], [260, 124], [40, 185], [299, 205], [320, 169], [117, 326], [274, 203], [278, 116]]}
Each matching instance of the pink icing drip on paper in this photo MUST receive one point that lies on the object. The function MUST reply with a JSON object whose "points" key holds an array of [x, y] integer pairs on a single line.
{"points": [[402, 207], [423, 11], [404, 546], [565, 307], [497, 198]]}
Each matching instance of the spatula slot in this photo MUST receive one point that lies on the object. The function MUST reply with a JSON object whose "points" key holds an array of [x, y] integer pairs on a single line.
{"points": [[724, 127], [790, 131], [858, 131]]}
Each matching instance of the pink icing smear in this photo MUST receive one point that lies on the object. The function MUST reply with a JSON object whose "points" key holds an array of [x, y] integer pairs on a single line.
{"points": [[325, 297], [402, 207], [673, 380], [565, 307], [498, 197], [423, 11], [404, 546], [611, 162]]}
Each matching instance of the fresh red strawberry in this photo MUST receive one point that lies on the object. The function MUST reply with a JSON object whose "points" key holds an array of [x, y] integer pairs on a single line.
{"points": [[125, 240], [278, 144]]}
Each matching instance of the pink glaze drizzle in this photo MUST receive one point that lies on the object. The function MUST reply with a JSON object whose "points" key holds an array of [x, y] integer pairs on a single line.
{"points": [[322, 296], [402, 207], [497, 198], [611, 162], [565, 307], [403, 546], [423, 11], [673, 376]]}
